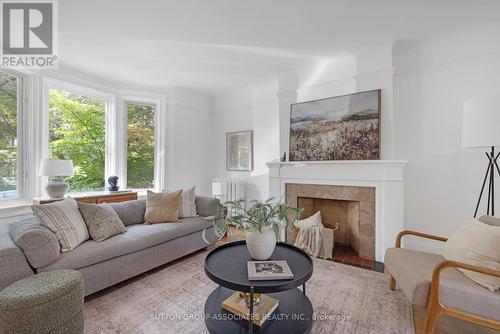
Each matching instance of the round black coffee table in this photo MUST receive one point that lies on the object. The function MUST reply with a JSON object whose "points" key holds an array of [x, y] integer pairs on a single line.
{"points": [[226, 265]]}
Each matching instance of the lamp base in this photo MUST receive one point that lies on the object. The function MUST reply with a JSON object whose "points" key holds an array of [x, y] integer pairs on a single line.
{"points": [[56, 188]]}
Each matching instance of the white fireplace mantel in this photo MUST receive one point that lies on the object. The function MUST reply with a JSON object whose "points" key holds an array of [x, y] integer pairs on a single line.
{"points": [[386, 176]]}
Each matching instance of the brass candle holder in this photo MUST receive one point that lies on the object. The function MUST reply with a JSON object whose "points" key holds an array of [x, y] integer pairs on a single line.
{"points": [[246, 296]]}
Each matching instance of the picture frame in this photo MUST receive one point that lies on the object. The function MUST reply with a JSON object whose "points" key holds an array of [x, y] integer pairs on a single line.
{"points": [[345, 127], [239, 151]]}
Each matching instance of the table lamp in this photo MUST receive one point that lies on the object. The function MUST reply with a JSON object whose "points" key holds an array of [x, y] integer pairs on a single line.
{"points": [[481, 128], [55, 169]]}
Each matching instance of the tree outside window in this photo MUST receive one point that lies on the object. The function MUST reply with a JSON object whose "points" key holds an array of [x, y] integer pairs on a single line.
{"points": [[77, 132], [140, 145]]}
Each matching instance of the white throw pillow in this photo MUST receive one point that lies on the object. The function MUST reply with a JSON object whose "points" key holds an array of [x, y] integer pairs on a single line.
{"points": [[188, 203], [310, 221], [477, 244], [65, 220]]}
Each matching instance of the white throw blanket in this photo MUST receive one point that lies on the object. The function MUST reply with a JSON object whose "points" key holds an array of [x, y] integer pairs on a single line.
{"points": [[316, 239]]}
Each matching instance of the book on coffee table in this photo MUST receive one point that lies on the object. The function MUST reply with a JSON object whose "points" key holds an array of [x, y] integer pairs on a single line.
{"points": [[268, 270], [262, 308]]}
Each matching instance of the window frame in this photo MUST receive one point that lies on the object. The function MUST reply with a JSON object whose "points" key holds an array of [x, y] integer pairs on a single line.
{"points": [[109, 121], [156, 103], [22, 152]]}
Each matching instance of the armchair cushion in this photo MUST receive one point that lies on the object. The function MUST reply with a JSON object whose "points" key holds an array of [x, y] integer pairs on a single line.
{"points": [[413, 270]]}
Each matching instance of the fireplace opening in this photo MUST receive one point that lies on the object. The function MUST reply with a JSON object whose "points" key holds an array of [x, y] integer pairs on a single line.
{"points": [[351, 207], [341, 213]]}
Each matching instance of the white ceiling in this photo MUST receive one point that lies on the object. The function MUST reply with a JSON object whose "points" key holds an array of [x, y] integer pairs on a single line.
{"points": [[216, 46]]}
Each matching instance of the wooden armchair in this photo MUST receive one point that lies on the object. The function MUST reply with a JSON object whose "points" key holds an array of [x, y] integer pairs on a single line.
{"points": [[429, 280]]}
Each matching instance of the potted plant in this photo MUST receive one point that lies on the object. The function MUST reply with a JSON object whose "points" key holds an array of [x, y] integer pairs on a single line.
{"points": [[263, 222]]}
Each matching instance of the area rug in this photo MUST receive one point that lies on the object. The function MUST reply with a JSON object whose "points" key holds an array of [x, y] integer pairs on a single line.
{"points": [[345, 299]]}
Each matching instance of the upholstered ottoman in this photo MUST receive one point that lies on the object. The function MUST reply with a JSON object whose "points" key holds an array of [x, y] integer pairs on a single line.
{"points": [[50, 302]]}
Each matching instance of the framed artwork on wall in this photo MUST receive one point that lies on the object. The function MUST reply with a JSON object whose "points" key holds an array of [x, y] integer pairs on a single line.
{"points": [[239, 151], [337, 128]]}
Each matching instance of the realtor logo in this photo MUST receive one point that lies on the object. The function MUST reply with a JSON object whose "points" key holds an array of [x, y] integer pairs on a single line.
{"points": [[29, 34]]}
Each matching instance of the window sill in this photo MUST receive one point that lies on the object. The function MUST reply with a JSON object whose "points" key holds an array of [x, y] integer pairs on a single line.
{"points": [[14, 208]]}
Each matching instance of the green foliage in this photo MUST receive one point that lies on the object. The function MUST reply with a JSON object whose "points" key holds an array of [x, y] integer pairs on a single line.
{"points": [[261, 214], [140, 145], [77, 132], [8, 131]]}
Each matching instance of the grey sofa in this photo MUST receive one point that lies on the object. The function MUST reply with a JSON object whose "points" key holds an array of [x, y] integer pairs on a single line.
{"points": [[27, 248]]}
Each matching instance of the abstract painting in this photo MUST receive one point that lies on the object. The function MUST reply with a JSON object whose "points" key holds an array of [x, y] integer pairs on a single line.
{"points": [[338, 128]]}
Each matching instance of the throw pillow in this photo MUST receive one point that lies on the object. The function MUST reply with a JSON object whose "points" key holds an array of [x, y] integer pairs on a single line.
{"points": [[130, 212], [102, 220], [476, 244], [310, 221], [188, 203], [64, 219], [162, 207]]}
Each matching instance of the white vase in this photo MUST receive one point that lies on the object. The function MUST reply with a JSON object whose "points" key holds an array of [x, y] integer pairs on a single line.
{"points": [[261, 244]]}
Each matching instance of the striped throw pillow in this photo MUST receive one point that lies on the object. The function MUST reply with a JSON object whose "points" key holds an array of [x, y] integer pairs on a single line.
{"points": [[64, 219]]}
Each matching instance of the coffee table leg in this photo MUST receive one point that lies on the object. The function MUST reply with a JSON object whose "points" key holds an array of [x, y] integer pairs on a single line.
{"points": [[250, 320], [304, 288]]}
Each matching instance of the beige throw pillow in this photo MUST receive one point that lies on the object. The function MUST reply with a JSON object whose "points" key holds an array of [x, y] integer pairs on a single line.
{"points": [[188, 203], [64, 219], [162, 207], [102, 220], [477, 244]]}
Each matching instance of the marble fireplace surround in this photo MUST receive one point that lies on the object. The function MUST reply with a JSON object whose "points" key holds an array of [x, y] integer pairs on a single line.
{"points": [[364, 196], [385, 176]]}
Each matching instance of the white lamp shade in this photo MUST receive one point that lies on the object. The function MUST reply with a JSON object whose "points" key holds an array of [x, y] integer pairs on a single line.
{"points": [[481, 122], [52, 167]]}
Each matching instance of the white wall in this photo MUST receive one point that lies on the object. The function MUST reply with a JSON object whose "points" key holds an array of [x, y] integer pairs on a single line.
{"points": [[434, 77], [190, 143], [255, 108], [265, 108]]}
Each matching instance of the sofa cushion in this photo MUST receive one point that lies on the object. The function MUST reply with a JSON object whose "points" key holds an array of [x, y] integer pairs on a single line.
{"points": [[38, 243], [136, 238], [102, 220], [64, 219], [413, 270], [130, 212]]}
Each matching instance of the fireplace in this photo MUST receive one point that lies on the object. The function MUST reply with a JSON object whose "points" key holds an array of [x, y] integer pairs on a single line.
{"points": [[378, 185], [351, 207]]}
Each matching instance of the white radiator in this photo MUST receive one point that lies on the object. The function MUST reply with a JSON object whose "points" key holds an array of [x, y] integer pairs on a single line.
{"points": [[228, 189]]}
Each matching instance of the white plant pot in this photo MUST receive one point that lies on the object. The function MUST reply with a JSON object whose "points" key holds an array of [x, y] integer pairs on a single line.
{"points": [[261, 244]]}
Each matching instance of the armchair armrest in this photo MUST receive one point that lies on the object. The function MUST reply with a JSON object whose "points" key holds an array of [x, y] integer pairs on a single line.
{"points": [[417, 234], [436, 308]]}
